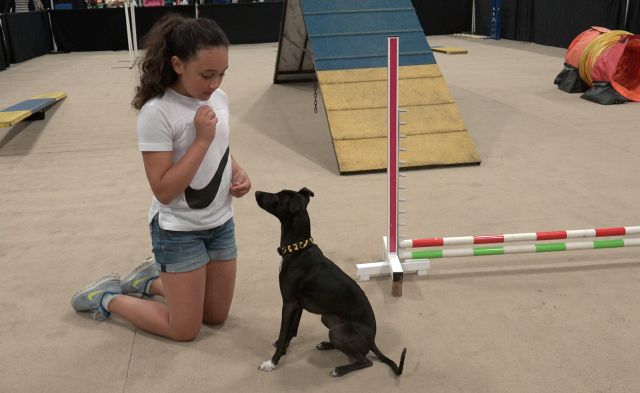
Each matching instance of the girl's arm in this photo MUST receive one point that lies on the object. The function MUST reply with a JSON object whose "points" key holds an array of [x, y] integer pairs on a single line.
{"points": [[168, 180], [240, 183]]}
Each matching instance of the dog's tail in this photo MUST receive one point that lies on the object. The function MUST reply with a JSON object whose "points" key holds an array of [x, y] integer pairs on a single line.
{"points": [[396, 369]]}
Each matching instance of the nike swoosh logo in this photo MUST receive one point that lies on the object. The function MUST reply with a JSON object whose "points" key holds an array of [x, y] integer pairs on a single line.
{"points": [[201, 199], [136, 282], [92, 294]]}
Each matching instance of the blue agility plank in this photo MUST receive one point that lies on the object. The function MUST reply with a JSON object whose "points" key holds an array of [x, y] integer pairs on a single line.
{"points": [[32, 105], [32, 109], [352, 34]]}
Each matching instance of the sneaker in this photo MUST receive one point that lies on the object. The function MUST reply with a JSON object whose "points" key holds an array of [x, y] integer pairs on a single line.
{"points": [[136, 281], [90, 297]]}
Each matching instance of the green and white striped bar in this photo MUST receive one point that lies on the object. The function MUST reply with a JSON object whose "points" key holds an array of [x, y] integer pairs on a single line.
{"points": [[529, 248]]}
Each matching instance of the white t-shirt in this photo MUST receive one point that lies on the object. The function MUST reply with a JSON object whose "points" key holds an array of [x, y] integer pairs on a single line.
{"points": [[166, 124]]}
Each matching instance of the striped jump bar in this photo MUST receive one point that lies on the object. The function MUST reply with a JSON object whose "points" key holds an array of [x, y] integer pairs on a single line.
{"points": [[529, 248], [519, 237]]}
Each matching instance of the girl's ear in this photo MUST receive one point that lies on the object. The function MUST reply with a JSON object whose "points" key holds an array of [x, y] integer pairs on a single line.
{"points": [[177, 65]]}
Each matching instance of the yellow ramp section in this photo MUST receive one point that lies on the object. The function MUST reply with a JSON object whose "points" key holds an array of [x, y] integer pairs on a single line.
{"points": [[7, 119], [57, 96], [356, 105], [450, 51]]}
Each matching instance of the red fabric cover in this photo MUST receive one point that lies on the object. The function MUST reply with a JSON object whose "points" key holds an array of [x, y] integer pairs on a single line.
{"points": [[607, 63], [626, 79], [580, 42]]}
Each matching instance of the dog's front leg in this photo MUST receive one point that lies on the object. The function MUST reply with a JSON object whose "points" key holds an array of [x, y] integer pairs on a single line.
{"points": [[293, 331], [288, 317]]}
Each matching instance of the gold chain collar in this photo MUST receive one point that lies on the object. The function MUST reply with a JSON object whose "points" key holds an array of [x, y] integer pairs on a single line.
{"points": [[295, 246]]}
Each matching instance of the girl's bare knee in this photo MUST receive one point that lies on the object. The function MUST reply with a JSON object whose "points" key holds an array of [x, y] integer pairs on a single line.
{"points": [[185, 335], [215, 319]]}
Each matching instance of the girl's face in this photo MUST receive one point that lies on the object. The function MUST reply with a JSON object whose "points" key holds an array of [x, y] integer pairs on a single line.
{"points": [[200, 77]]}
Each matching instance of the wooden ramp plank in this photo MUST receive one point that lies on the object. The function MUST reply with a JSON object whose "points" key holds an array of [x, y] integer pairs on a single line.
{"points": [[348, 43], [356, 105], [56, 96], [372, 123], [32, 105], [449, 50], [9, 118], [365, 155]]}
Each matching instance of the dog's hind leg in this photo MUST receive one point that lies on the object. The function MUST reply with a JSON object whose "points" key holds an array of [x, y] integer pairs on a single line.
{"points": [[361, 362], [329, 321], [350, 342]]}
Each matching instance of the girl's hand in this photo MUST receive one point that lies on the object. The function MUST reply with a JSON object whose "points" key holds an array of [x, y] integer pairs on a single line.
{"points": [[205, 121], [240, 183]]}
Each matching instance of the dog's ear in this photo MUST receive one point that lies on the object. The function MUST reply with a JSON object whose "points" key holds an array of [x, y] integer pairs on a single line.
{"points": [[307, 193], [298, 203]]}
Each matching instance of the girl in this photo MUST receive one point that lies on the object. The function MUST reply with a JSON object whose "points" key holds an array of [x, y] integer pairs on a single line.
{"points": [[183, 134]]}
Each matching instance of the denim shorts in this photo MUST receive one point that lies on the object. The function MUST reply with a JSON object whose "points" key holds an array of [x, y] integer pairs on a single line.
{"points": [[178, 251]]}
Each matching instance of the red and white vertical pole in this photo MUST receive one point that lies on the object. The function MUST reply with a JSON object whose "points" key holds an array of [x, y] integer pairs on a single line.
{"points": [[393, 139], [393, 170], [391, 263]]}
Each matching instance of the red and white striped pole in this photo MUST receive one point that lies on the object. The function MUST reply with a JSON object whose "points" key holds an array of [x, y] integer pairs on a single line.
{"points": [[519, 237], [393, 127], [391, 263], [393, 170]]}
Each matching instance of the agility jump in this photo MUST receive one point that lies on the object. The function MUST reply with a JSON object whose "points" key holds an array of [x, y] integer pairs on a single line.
{"points": [[396, 262]]}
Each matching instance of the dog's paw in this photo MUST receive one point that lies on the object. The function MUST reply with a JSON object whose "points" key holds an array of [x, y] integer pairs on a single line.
{"points": [[336, 373], [325, 346], [267, 366]]}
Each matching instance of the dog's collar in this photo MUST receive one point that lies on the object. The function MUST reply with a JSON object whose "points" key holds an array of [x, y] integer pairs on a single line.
{"points": [[295, 246]]}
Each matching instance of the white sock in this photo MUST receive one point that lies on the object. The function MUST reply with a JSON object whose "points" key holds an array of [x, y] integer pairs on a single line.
{"points": [[106, 299]]}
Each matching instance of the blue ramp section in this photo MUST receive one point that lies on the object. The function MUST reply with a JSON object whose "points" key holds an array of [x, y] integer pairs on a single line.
{"points": [[32, 105], [352, 34]]}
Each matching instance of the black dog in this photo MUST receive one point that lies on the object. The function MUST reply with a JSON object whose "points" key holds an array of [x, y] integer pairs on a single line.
{"points": [[310, 281]]}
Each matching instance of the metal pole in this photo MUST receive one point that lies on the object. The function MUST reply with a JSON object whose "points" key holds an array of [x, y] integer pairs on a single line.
{"points": [[135, 31], [126, 16], [393, 162], [626, 16], [473, 17], [53, 38]]}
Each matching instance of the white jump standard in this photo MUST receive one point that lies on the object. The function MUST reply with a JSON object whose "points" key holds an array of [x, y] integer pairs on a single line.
{"points": [[391, 263], [396, 263]]}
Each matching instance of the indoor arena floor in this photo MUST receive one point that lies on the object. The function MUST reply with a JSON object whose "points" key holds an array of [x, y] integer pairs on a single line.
{"points": [[74, 202]]}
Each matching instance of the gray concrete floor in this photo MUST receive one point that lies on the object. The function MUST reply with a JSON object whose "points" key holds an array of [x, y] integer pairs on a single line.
{"points": [[74, 202]]}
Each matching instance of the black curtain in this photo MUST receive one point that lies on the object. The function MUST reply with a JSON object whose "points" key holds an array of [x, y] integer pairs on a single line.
{"points": [[444, 17], [28, 35], [633, 18], [246, 23], [483, 17], [557, 23], [4, 54], [80, 30], [517, 18], [551, 22], [146, 17]]}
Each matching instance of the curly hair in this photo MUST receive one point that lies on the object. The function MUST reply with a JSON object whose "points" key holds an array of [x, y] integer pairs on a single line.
{"points": [[173, 35]]}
